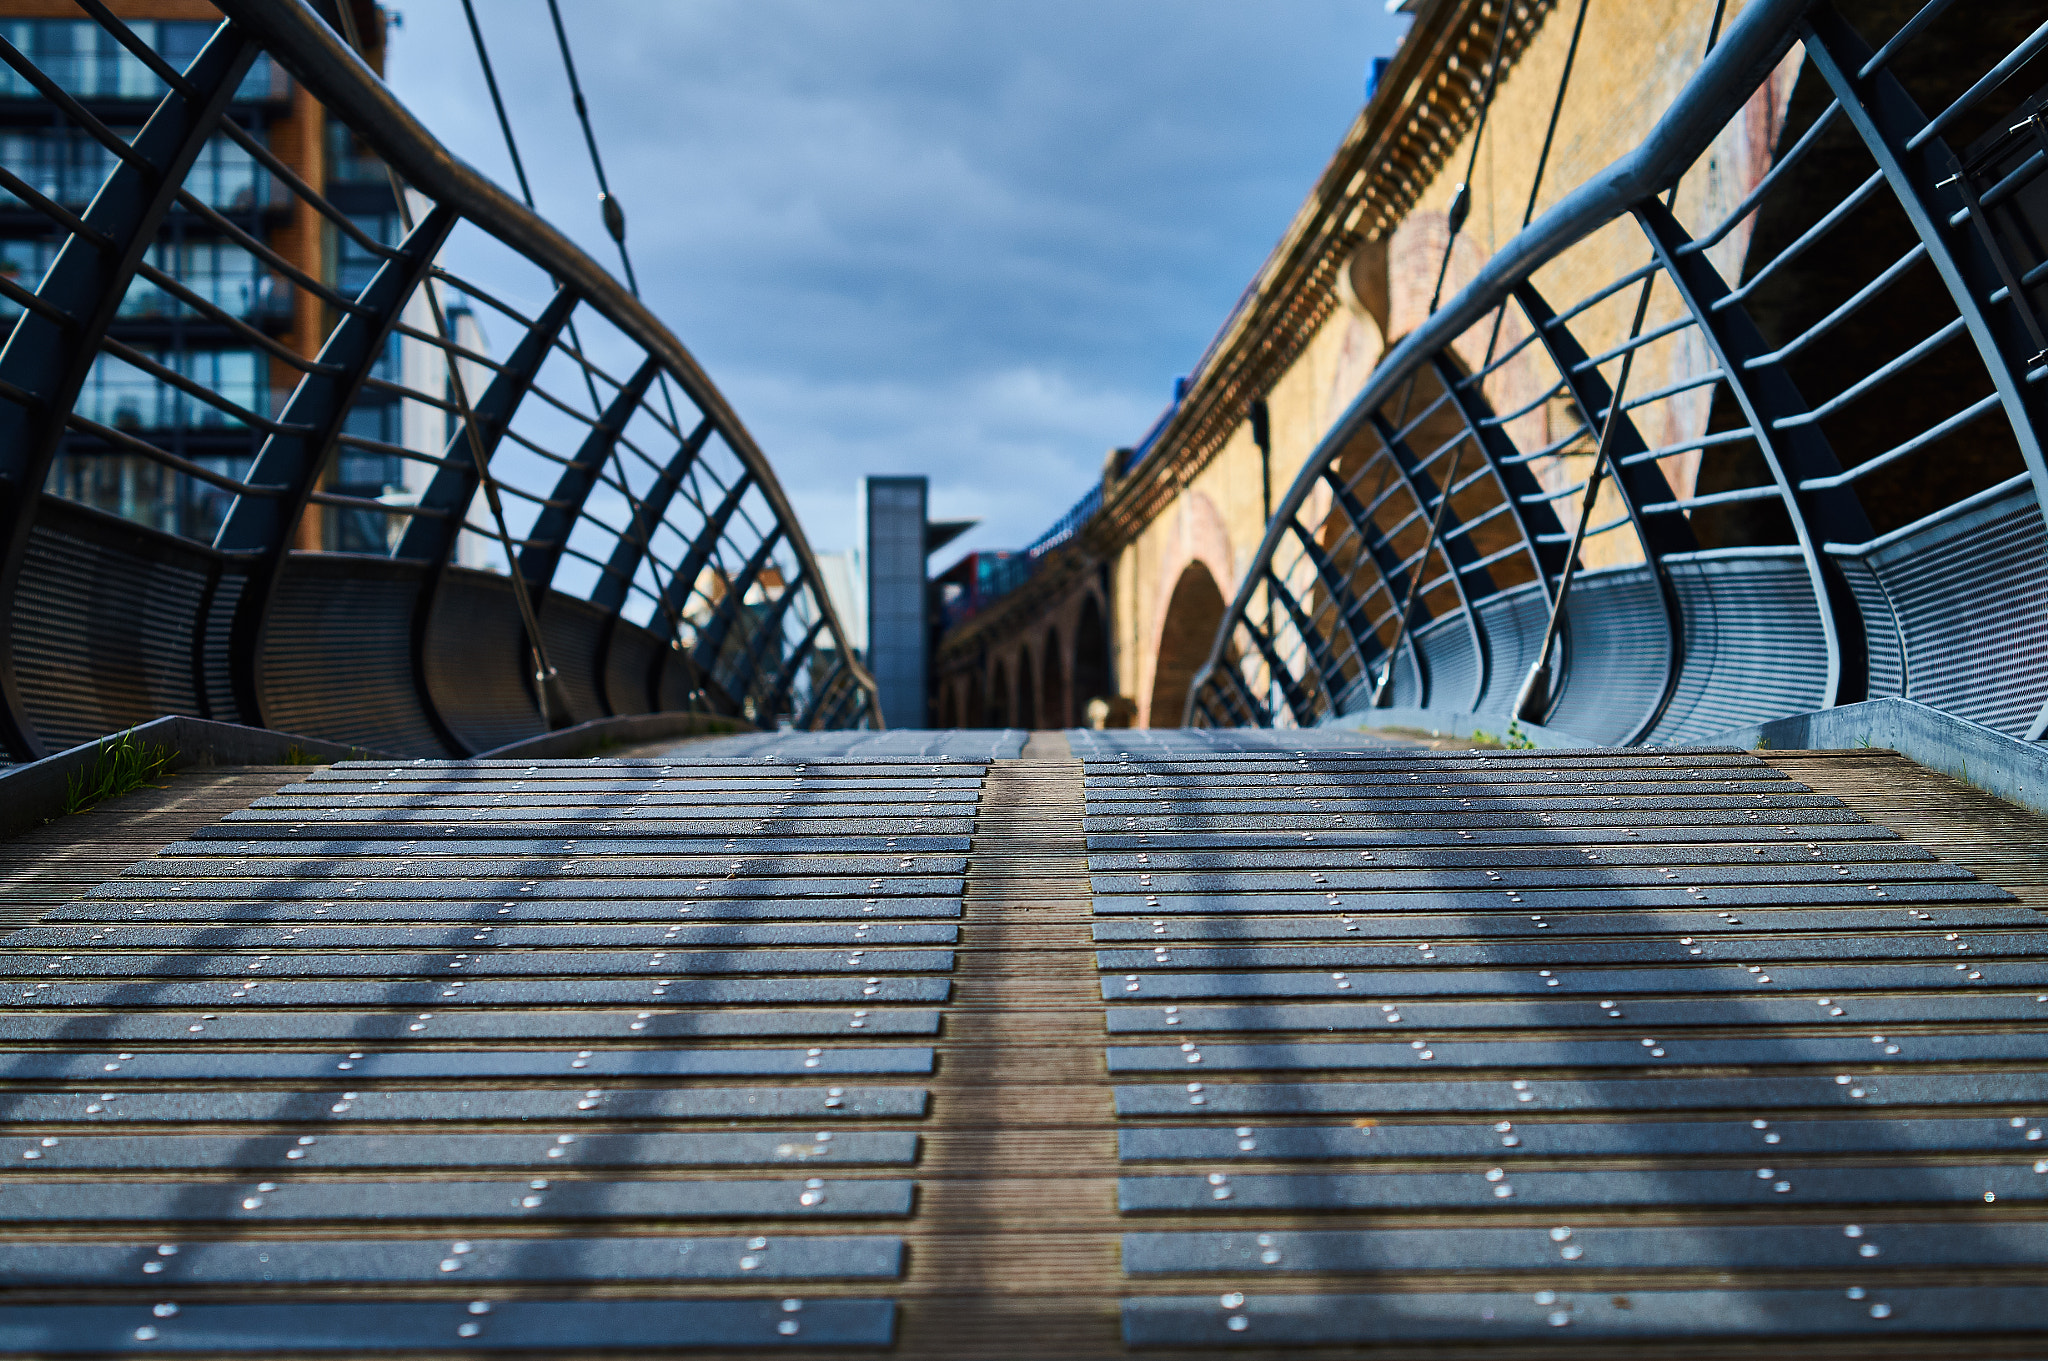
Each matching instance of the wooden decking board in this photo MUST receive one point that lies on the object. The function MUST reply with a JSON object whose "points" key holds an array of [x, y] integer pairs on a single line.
{"points": [[1014, 1245], [60, 860], [54, 868], [1030, 1256], [1998, 841]]}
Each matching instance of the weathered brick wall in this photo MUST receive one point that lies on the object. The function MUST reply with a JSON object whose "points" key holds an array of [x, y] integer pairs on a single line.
{"points": [[1634, 57]]}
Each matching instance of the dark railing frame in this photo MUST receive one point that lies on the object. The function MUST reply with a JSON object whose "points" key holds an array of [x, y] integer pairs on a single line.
{"points": [[64, 324], [45, 363], [1805, 477]]}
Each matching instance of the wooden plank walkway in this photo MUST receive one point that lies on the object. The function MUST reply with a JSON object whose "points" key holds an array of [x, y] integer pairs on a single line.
{"points": [[60, 860], [959, 1045]]}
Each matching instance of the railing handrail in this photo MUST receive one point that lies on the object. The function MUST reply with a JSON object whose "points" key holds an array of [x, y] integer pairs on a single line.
{"points": [[1752, 46], [300, 40], [1068, 524]]}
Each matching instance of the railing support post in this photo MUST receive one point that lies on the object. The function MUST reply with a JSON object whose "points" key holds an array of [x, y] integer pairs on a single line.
{"points": [[1886, 118], [1637, 484], [1793, 453]]}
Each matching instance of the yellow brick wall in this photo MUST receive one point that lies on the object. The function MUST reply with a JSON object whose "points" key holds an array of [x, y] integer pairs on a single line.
{"points": [[1634, 57]]}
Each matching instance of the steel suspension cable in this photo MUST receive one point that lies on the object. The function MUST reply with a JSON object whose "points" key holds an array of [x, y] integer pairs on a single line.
{"points": [[483, 57], [1461, 196], [609, 208], [547, 680], [1532, 702], [1461, 203], [1564, 80], [476, 37], [608, 205], [614, 216], [1401, 628]]}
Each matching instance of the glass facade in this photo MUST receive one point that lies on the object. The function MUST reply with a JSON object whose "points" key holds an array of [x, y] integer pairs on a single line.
{"points": [[68, 166], [209, 357], [375, 415], [86, 61]]}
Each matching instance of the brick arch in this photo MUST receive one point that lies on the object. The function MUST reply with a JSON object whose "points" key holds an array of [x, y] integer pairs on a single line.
{"points": [[1027, 690], [1197, 535], [996, 709], [1052, 685], [1193, 614], [1089, 672], [973, 710]]}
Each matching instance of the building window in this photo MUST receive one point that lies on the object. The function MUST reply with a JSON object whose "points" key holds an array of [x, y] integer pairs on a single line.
{"points": [[87, 61]]}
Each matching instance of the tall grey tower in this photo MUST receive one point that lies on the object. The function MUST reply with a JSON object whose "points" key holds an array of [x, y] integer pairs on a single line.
{"points": [[899, 629]]}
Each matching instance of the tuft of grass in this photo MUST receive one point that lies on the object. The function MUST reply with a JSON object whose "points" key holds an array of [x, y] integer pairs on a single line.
{"points": [[296, 755], [1517, 740], [120, 766]]}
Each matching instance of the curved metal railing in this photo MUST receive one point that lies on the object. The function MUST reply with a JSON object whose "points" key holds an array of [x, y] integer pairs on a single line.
{"points": [[1841, 364], [268, 458]]}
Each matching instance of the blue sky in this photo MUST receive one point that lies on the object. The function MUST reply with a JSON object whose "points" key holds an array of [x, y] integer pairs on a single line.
{"points": [[974, 239]]}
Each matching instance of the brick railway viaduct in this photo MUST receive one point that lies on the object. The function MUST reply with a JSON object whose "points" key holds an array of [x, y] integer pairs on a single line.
{"points": [[1129, 606]]}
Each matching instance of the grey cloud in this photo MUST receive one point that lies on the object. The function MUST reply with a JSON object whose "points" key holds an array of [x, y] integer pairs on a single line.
{"points": [[972, 239]]}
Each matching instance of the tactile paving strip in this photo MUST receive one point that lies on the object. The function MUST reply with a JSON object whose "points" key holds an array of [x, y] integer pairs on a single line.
{"points": [[359, 1057], [1678, 1046]]}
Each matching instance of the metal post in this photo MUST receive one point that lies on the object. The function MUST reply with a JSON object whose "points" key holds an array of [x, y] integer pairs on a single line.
{"points": [[711, 638], [1350, 610], [542, 555], [684, 580], [1793, 449], [1639, 484], [432, 538], [785, 680], [637, 540], [1532, 702], [1887, 119]]}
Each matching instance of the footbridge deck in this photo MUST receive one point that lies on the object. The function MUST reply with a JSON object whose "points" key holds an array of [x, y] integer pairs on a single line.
{"points": [[980, 1044]]}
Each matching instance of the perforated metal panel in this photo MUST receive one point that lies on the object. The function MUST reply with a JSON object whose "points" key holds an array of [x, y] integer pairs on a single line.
{"points": [[631, 654], [1452, 660], [475, 659], [575, 632], [1615, 621], [337, 661], [216, 685], [1885, 647], [103, 627], [1753, 644], [1972, 600], [1513, 621]]}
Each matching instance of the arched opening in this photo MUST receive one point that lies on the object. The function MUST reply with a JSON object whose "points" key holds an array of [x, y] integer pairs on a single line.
{"points": [[1052, 689], [947, 717], [1193, 615], [1091, 658], [1027, 688], [998, 706], [973, 701]]}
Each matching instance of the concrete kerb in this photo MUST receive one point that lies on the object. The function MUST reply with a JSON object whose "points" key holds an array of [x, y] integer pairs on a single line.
{"points": [[2002, 766], [1456, 724], [35, 793], [594, 737]]}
